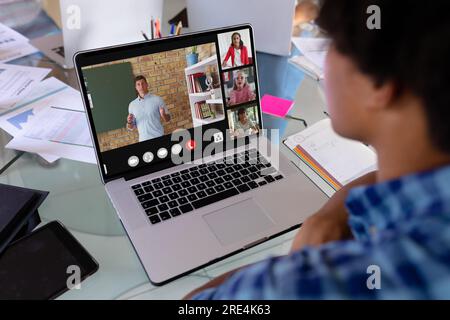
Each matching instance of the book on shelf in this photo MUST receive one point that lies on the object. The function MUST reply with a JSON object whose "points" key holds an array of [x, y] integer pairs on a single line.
{"points": [[202, 110], [197, 82]]}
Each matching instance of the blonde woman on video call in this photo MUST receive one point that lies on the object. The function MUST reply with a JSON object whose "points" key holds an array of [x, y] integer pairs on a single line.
{"points": [[241, 92]]}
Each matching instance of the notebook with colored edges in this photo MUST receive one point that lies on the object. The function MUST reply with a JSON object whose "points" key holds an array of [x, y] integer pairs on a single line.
{"points": [[336, 160]]}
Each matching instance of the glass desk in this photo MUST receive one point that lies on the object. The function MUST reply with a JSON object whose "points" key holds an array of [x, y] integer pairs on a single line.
{"points": [[77, 197]]}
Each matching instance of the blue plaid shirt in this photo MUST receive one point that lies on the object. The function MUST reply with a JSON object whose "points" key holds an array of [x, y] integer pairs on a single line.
{"points": [[401, 226]]}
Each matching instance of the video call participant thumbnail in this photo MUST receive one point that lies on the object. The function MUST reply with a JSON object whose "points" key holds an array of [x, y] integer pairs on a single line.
{"points": [[146, 112], [237, 51], [244, 125], [241, 91]]}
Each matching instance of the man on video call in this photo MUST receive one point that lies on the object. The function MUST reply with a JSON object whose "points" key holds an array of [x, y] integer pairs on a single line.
{"points": [[146, 111]]}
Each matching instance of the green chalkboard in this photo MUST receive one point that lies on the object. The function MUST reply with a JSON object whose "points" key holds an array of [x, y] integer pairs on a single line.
{"points": [[112, 89]]}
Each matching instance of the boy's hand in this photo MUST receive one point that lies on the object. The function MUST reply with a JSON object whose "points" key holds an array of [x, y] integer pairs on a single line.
{"points": [[323, 227], [330, 223], [130, 118]]}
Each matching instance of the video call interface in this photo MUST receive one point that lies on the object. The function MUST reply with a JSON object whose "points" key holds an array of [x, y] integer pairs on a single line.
{"points": [[145, 98]]}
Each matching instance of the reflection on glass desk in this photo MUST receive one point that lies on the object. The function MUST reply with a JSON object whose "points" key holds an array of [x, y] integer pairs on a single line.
{"points": [[77, 197]]}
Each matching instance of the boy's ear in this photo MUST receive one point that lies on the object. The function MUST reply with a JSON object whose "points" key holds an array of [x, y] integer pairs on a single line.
{"points": [[383, 95]]}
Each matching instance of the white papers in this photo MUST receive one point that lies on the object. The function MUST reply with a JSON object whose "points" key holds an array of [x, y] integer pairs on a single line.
{"points": [[334, 157], [19, 51], [43, 117], [58, 133], [50, 121], [314, 52], [10, 38], [13, 45], [315, 49], [60, 125], [16, 82], [14, 119], [308, 67]]}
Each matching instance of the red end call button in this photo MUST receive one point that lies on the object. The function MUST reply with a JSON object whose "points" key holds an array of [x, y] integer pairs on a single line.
{"points": [[191, 144]]}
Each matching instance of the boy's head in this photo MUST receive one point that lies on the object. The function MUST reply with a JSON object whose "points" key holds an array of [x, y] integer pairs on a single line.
{"points": [[373, 75], [242, 115]]}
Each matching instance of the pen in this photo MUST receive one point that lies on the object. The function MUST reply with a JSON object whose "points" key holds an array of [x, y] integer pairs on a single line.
{"points": [[152, 33], [179, 26], [158, 28], [144, 35], [298, 119]]}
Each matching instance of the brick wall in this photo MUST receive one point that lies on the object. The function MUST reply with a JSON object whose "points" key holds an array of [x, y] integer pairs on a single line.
{"points": [[205, 51], [166, 78], [116, 138]]}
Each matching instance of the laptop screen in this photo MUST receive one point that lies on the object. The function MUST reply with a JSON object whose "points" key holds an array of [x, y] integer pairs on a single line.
{"points": [[151, 101]]}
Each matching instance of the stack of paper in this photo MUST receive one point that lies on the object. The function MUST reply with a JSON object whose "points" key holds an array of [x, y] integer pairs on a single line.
{"points": [[312, 60], [16, 82], [335, 159], [50, 121], [13, 45], [44, 117]]}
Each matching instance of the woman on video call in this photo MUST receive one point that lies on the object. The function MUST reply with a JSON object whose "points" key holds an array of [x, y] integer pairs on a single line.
{"points": [[241, 92], [238, 52]]}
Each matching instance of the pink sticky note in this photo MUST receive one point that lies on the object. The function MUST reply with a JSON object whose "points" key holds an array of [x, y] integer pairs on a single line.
{"points": [[275, 106]]}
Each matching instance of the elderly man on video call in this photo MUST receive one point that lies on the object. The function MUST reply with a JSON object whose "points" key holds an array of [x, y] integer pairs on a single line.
{"points": [[146, 112]]}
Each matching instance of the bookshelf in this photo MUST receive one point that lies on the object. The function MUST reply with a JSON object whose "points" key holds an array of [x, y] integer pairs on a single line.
{"points": [[216, 101], [205, 108], [199, 66]]}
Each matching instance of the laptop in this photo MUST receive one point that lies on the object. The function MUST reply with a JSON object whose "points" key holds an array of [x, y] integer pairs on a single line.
{"points": [[182, 152]]}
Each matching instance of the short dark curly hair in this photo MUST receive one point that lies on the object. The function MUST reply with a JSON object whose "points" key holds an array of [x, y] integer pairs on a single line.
{"points": [[412, 49]]}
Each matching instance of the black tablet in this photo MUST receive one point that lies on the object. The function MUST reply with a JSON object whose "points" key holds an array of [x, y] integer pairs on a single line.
{"points": [[18, 208], [44, 264]]}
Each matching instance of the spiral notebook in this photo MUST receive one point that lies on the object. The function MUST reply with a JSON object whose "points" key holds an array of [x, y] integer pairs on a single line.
{"points": [[336, 160]]}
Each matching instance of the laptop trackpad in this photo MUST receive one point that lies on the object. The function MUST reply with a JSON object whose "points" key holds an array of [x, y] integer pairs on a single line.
{"points": [[238, 221]]}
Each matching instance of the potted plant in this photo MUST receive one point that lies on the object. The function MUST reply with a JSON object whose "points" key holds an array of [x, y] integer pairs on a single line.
{"points": [[192, 57]]}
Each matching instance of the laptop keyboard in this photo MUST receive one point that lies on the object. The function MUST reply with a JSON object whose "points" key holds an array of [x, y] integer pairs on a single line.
{"points": [[182, 192]]}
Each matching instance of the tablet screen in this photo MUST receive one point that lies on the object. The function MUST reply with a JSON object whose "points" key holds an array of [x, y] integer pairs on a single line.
{"points": [[37, 266]]}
